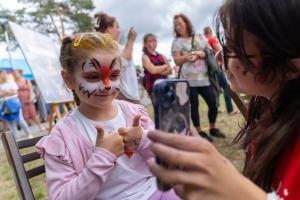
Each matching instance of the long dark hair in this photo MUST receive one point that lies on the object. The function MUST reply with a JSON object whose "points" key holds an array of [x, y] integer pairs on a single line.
{"points": [[272, 124]]}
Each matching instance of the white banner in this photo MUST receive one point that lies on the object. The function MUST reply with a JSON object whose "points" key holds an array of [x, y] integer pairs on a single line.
{"points": [[42, 57]]}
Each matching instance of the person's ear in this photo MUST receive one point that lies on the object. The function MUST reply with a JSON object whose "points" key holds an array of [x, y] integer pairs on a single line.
{"points": [[68, 79]]}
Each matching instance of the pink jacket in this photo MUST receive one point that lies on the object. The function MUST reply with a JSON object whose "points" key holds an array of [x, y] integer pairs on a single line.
{"points": [[75, 168]]}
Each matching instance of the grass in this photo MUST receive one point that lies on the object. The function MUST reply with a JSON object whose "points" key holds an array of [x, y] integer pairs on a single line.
{"points": [[228, 125]]}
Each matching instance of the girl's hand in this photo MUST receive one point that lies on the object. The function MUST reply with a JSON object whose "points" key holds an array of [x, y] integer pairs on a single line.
{"points": [[131, 35], [112, 141], [206, 175], [132, 136]]}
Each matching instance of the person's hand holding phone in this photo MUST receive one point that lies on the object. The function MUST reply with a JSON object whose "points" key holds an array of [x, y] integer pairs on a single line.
{"points": [[206, 175]]}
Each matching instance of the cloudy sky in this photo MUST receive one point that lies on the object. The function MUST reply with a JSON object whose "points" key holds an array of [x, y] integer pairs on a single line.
{"points": [[153, 16]]}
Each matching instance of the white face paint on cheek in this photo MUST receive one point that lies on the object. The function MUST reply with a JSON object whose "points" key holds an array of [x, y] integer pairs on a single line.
{"points": [[115, 85], [87, 88]]}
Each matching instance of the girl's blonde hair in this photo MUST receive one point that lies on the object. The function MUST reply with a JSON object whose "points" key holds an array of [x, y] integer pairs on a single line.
{"points": [[74, 47]]}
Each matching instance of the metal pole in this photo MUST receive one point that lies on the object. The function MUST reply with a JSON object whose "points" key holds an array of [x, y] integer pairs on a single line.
{"points": [[8, 45]]}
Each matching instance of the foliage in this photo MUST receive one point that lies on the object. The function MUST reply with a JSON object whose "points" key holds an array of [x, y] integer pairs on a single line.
{"points": [[52, 16]]}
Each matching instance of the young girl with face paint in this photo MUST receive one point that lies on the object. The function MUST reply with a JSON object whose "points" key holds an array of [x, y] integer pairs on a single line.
{"points": [[98, 151]]}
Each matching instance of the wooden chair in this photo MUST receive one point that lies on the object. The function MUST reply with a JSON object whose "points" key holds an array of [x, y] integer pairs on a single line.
{"points": [[16, 160]]}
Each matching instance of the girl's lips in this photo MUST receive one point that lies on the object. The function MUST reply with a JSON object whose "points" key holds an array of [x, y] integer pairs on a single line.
{"points": [[101, 95]]}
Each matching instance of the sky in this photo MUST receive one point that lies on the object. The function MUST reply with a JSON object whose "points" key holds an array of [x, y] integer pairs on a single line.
{"points": [[155, 16]]}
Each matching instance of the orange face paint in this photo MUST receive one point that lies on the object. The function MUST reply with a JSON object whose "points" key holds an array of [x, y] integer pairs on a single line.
{"points": [[105, 72]]}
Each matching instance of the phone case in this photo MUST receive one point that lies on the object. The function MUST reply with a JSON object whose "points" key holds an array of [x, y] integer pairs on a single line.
{"points": [[172, 111]]}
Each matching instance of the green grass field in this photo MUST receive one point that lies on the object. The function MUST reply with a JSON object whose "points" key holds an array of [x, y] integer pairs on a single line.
{"points": [[228, 124]]}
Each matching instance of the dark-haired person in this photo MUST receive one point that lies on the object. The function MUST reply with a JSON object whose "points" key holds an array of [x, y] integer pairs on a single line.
{"points": [[261, 50], [213, 42], [105, 23], [187, 51], [156, 66]]}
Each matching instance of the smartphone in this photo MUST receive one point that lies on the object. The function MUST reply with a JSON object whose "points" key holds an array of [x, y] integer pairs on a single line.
{"points": [[172, 112]]}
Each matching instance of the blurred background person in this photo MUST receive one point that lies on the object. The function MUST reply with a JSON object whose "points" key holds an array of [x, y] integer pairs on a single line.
{"points": [[156, 66], [25, 95], [213, 42], [40, 104], [187, 51], [11, 112]]}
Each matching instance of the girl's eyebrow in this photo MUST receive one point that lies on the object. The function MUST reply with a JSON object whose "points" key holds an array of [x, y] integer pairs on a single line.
{"points": [[113, 62], [92, 62], [95, 62]]}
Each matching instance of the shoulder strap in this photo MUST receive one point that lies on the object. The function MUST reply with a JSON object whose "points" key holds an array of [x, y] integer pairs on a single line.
{"points": [[192, 41]]}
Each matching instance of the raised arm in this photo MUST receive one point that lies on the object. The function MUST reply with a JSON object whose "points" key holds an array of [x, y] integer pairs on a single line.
{"points": [[127, 51]]}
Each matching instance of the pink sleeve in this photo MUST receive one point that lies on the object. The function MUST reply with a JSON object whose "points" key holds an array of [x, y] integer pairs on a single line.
{"points": [[147, 125], [63, 181]]}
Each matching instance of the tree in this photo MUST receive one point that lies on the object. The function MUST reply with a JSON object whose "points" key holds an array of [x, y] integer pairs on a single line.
{"points": [[71, 15], [7, 15], [53, 16]]}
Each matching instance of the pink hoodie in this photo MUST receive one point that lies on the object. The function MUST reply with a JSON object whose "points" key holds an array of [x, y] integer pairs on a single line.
{"points": [[76, 169]]}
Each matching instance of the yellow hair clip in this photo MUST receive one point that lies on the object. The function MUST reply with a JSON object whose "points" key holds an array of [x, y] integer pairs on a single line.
{"points": [[77, 40]]}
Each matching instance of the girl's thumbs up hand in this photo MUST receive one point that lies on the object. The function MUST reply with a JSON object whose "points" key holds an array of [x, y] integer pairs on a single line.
{"points": [[112, 141], [132, 135]]}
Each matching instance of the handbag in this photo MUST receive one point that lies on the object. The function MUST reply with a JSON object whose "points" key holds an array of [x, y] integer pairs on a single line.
{"points": [[10, 110]]}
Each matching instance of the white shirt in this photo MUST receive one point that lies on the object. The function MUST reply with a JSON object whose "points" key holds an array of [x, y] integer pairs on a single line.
{"points": [[9, 85], [124, 182], [129, 84]]}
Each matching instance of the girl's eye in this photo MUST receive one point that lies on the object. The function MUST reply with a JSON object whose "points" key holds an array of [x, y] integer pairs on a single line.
{"points": [[91, 77], [114, 76]]}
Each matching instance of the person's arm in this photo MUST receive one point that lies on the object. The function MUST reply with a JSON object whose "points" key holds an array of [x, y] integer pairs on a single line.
{"points": [[13, 90], [127, 51], [151, 68], [180, 59], [206, 175], [30, 91], [169, 69], [7, 93], [63, 181]]}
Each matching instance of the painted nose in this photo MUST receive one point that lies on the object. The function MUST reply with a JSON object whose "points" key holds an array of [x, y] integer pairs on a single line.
{"points": [[107, 87]]}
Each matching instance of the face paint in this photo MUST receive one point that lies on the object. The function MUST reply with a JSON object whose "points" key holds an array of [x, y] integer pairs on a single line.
{"points": [[96, 78]]}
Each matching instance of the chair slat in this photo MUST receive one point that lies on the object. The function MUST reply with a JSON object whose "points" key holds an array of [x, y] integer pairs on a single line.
{"points": [[35, 171], [30, 157], [28, 143]]}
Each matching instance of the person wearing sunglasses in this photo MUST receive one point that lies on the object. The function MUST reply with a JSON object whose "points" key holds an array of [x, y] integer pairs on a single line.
{"points": [[261, 58]]}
